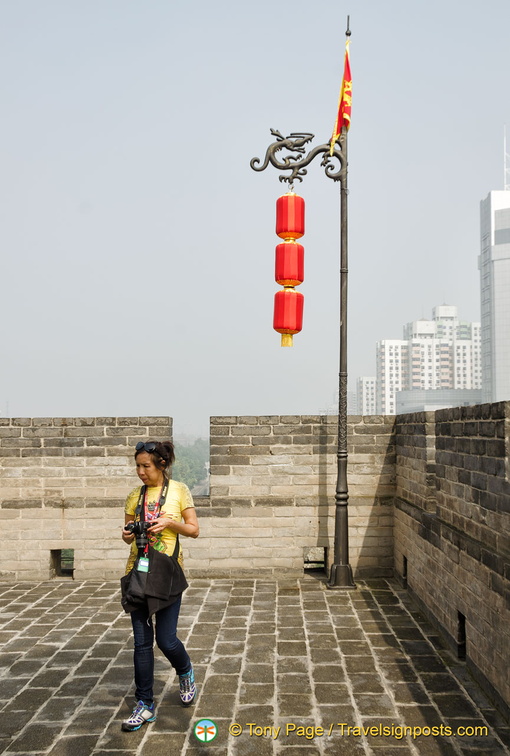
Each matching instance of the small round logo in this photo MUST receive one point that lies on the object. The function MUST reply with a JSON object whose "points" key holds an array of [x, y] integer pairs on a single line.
{"points": [[205, 730]]}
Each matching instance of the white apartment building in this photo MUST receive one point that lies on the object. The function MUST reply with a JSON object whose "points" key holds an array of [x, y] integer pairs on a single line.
{"points": [[366, 395], [494, 266], [442, 353]]}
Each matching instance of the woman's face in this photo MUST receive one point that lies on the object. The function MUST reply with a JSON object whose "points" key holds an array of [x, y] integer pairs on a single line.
{"points": [[147, 471]]}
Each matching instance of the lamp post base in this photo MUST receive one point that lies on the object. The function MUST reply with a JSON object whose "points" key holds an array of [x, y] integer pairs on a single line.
{"points": [[341, 577]]}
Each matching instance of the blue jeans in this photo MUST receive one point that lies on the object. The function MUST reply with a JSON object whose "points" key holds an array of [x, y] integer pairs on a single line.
{"points": [[168, 642]]}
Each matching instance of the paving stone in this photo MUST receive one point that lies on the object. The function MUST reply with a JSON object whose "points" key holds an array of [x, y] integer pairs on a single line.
{"points": [[89, 722], [219, 684], [343, 747], [29, 699], [291, 648], [292, 664], [420, 716], [213, 706], [330, 714], [293, 683], [102, 696], [253, 693], [12, 724], [322, 655], [261, 641], [358, 664], [227, 666], [82, 745], [229, 649], [324, 641], [331, 693], [35, 738], [10, 688], [59, 709], [164, 745], [258, 673], [435, 746], [408, 692], [398, 670], [261, 655], [263, 715], [454, 705], [349, 634], [363, 683], [374, 705], [295, 705], [233, 634], [355, 648]]}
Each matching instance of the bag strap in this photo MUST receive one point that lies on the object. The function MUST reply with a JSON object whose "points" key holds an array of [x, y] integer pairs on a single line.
{"points": [[176, 550]]}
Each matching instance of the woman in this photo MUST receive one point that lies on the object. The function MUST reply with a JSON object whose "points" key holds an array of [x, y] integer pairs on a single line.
{"points": [[168, 507]]}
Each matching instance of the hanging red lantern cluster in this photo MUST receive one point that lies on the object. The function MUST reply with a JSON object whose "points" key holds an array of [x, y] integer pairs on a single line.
{"points": [[289, 266]]}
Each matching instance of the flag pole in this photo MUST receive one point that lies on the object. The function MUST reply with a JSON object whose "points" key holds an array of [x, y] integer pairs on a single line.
{"points": [[341, 571], [296, 162]]}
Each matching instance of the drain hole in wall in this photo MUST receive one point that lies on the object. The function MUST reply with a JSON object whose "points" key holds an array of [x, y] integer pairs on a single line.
{"points": [[62, 563], [461, 635], [315, 559]]}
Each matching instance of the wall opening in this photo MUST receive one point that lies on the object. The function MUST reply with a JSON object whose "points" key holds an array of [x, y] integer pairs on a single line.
{"points": [[62, 563], [461, 635], [404, 572], [315, 559]]}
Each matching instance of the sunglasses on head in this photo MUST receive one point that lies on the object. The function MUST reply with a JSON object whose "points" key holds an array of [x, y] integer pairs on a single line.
{"points": [[148, 447]]}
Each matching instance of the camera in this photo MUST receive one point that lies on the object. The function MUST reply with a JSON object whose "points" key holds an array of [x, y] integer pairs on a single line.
{"points": [[139, 530]]}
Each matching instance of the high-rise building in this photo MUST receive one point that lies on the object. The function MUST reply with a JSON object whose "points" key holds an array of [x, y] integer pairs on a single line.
{"points": [[366, 388], [434, 355], [494, 266]]}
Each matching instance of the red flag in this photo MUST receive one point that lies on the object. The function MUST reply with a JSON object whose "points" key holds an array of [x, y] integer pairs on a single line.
{"points": [[344, 101]]}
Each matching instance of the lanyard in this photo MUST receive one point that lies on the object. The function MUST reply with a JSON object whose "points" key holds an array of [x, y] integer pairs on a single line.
{"points": [[150, 512]]}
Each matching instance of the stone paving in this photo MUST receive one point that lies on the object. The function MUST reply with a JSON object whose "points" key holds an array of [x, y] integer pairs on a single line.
{"points": [[268, 654]]}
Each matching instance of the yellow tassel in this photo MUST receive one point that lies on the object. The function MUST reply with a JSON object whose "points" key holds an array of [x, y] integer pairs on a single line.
{"points": [[287, 340]]}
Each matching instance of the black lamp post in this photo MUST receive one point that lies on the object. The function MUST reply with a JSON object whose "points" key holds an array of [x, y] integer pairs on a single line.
{"points": [[294, 144]]}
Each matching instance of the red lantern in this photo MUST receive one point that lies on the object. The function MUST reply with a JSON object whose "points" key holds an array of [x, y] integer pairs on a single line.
{"points": [[289, 266], [288, 314], [290, 263], [290, 216]]}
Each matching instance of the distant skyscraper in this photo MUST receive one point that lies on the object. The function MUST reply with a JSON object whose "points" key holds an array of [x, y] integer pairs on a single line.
{"points": [[442, 353], [366, 390], [494, 266]]}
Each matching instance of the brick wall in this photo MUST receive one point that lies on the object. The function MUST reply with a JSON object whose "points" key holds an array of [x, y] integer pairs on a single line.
{"points": [[63, 483], [272, 494], [452, 525]]}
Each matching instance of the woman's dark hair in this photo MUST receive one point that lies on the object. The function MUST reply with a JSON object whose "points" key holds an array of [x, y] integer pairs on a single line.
{"points": [[161, 452]]}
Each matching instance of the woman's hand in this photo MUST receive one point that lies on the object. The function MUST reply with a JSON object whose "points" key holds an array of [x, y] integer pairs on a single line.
{"points": [[127, 537], [187, 528], [159, 524]]}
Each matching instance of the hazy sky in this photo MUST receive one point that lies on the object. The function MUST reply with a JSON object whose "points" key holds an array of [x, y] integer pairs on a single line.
{"points": [[138, 245]]}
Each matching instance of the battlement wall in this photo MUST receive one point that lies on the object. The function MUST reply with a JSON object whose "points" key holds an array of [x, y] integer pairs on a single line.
{"points": [[63, 483], [452, 529]]}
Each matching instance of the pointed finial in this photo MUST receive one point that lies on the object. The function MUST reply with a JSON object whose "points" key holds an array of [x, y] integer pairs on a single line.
{"points": [[348, 31]]}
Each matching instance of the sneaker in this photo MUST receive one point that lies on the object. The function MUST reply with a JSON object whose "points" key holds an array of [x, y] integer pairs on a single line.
{"points": [[187, 688], [141, 714]]}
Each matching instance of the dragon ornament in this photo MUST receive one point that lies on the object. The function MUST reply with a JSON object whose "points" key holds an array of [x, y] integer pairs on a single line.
{"points": [[295, 145]]}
